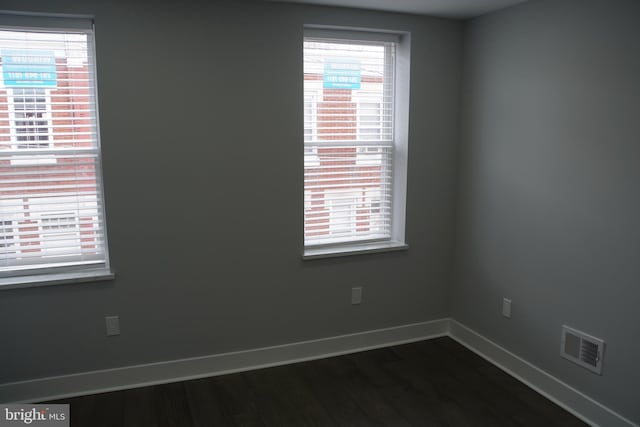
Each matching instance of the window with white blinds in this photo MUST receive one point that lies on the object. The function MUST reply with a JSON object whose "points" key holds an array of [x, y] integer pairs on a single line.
{"points": [[349, 128], [51, 197]]}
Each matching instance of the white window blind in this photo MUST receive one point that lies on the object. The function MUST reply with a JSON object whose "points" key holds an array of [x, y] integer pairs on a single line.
{"points": [[51, 200], [348, 182]]}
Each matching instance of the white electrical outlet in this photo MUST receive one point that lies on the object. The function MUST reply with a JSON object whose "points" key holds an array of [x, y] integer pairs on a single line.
{"points": [[356, 295], [113, 325], [506, 308]]}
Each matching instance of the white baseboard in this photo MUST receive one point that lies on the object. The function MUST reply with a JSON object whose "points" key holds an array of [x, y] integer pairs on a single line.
{"points": [[567, 397], [65, 386], [101, 381]]}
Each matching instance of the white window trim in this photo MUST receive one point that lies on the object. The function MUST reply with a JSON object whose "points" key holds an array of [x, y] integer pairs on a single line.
{"points": [[401, 144], [89, 271], [55, 279], [354, 249]]}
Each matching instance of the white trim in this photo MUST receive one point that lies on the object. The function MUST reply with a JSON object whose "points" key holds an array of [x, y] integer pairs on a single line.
{"points": [[92, 61], [562, 394], [66, 386], [554, 389], [402, 82], [37, 265], [393, 161], [353, 249], [38, 20], [55, 279], [353, 34]]}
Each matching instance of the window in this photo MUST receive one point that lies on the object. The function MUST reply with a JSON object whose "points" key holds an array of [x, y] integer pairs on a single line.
{"points": [[370, 122], [310, 117], [354, 191], [59, 234], [310, 125], [30, 117], [6, 235], [51, 197]]}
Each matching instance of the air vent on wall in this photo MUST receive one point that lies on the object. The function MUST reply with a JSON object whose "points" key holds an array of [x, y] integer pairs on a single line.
{"points": [[582, 349]]}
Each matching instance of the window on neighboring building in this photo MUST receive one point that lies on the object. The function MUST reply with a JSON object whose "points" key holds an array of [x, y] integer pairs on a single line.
{"points": [[60, 234], [30, 117], [352, 129], [51, 196], [309, 117], [370, 120], [6, 235]]}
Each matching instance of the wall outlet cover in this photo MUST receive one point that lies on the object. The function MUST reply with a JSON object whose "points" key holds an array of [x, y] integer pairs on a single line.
{"points": [[506, 308], [356, 295], [112, 325]]}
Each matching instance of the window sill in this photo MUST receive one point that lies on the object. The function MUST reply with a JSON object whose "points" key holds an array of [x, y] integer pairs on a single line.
{"points": [[54, 279], [355, 249]]}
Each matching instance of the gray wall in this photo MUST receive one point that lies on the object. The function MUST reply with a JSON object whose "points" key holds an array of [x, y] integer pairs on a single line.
{"points": [[549, 211], [201, 115]]}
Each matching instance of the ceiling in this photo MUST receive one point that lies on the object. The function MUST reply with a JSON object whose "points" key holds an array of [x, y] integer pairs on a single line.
{"points": [[443, 8]]}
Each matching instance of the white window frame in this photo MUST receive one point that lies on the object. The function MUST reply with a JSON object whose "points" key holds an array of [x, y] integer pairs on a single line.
{"points": [[400, 136], [72, 270]]}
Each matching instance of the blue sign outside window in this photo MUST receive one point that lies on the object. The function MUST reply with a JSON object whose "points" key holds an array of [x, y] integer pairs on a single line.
{"points": [[29, 68], [341, 74]]}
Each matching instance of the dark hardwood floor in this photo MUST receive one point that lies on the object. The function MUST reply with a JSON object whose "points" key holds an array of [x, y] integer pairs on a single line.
{"points": [[429, 383]]}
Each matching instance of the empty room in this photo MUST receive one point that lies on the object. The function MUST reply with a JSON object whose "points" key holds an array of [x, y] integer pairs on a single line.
{"points": [[319, 212]]}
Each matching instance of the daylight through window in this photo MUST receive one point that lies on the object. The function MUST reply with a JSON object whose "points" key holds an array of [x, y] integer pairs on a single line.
{"points": [[349, 140], [51, 202]]}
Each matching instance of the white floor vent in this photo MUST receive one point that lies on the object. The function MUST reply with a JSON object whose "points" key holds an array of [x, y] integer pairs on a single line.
{"points": [[582, 349]]}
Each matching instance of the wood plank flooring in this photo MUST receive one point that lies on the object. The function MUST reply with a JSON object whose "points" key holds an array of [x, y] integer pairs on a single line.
{"points": [[429, 383]]}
